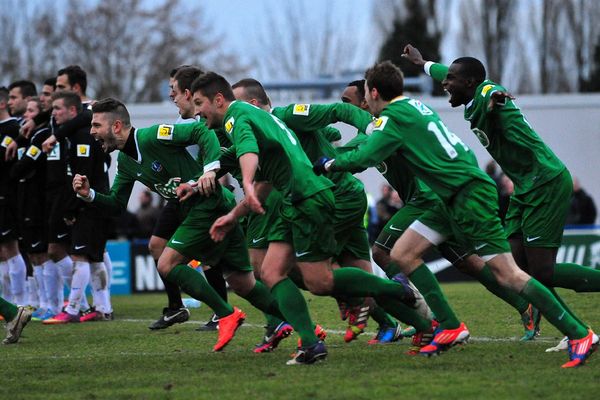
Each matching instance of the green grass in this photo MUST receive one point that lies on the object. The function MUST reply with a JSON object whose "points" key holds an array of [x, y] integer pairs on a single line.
{"points": [[124, 360]]}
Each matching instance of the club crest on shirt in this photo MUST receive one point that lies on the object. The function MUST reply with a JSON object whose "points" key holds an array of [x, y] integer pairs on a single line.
{"points": [[33, 152], [83, 150], [156, 166], [6, 141], [485, 141], [229, 125], [301, 109], [165, 132], [382, 167], [486, 89]]}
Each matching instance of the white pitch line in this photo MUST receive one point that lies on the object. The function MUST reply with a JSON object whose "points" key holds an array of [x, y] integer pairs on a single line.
{"points": [[539, 339]]}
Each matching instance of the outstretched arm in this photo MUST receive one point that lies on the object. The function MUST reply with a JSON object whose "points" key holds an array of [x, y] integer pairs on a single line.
{"points": [[433, 69]]}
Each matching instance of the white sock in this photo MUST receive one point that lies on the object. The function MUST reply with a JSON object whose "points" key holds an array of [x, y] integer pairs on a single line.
{"points": [[108, 265], [5, 281], [38, 275], [18, 279], [81, 277], [52, 284], [33, 298], [65, 269], [99, 280]]}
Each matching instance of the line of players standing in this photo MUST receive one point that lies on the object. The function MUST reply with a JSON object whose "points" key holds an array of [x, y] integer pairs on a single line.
{"points": [[48, 237]]}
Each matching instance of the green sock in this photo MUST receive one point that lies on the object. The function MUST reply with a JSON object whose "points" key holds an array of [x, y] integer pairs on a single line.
{"points": [[354, 282], [564, 305], [404, 313], [7, 310], [294, 309], [392, 269], [381, 317], [272, 320], [487, 279], [261, 298], [576, 277], [429, 287], [550, 307], [195, 285]]}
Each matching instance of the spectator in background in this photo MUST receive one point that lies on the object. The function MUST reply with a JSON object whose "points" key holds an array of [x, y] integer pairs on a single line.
{"points": [[386, 206], [582, 210], [147, 215], [505, 189]]}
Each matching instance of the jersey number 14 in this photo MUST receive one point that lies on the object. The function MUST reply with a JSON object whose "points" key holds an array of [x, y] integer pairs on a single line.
{"points": [[447, 139]]}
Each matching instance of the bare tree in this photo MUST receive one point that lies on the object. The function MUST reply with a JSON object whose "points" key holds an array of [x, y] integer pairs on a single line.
{"points": [[126, 46], [300, 48], [487, 27]]}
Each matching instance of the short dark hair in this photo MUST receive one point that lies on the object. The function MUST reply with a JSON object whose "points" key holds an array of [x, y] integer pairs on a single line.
{"points": [[70, 99], [51, 82], [359, 84], [76, 75], [254, 90], [27, 88], [387, 78], [174, 70], [37, 101], [212, 83], [185, 76], [4, 94], [115, 108], [471, 68]]}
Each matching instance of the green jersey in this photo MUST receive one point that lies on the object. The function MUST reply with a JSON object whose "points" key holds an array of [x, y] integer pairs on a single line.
{"points": [[506, 134], [309, 121], [282, 161], [422, 144], [410, 189], [156, 156]]}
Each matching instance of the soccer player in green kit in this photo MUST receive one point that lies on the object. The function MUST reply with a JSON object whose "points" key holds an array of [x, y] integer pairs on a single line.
{"points": [[537, 212], [418, 198], [157, 157], [469, 211], [310, 123], [262, 140]]}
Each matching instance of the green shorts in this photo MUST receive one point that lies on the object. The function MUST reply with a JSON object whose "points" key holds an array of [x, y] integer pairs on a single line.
{"points": [[258, 225], [472, 219], [349, 226], [450, 249], [192, 238], [539, 215], [309, 224]]}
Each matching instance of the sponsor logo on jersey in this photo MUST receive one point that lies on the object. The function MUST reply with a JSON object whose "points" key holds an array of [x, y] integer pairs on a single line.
{"points": [[54, 154], [486, 89], [6, 140], [229, 125], [382, 167], [33, 152], [301, 109], [379, 123], [483, 139], [165, 132], [156, 166], [83, 150]]}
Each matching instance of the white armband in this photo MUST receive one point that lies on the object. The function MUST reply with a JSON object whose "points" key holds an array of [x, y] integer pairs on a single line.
{"points": [[212, 166], [427, 67], [90, 197]]}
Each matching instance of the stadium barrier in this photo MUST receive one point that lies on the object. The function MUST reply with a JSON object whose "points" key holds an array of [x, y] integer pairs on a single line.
{"points": [[134, 270]]}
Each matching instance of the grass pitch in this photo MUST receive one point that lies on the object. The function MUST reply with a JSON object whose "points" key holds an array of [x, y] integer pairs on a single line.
{"points": [[122, 359]]}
